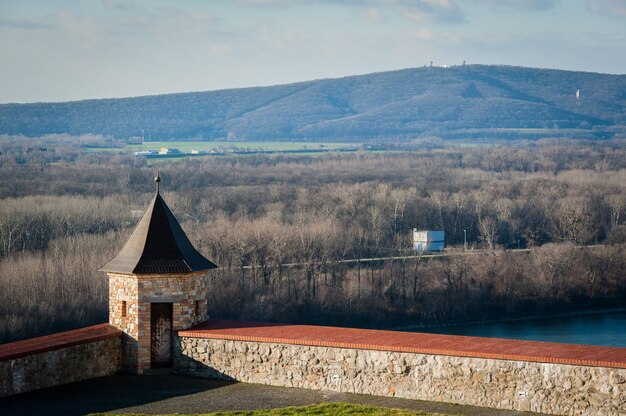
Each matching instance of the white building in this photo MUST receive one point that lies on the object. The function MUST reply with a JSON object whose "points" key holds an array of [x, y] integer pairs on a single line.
{"points": [[428, 240], [168, 151]]}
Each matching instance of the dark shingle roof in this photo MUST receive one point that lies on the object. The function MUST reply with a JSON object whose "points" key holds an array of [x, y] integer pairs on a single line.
{"points": [[158, 245]]}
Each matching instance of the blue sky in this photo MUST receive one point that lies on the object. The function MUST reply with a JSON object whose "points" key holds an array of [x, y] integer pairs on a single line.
{"points": [[72, 49]]}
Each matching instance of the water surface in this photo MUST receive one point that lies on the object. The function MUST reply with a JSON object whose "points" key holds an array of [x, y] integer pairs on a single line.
{"points": [[607, 329]]}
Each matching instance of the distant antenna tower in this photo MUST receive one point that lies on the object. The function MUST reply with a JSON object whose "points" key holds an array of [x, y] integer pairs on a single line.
{"points": [[578, 97], [142, 137]]}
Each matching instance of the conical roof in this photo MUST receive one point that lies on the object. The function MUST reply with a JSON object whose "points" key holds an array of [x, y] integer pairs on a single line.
{"points": [[158, 245]]}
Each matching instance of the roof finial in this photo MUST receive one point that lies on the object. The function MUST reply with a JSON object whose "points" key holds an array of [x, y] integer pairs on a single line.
{"points": [[157, 179]]}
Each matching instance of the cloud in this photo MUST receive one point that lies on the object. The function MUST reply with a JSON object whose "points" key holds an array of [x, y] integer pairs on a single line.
{"points": [[127, 28], [439, 38], [371, 14], [219, 49], [275, 3], [438, 11], [175, 20], [519, 5], [28, 24], [122, 6], [424, 34], [611, 8]]}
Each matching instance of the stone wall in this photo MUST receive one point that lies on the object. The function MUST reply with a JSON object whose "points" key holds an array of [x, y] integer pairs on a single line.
{"points": [[520, 385], [25, 369], [130, 297], [123, 288]]}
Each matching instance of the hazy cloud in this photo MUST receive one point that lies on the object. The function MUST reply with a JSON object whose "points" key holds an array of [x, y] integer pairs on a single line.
{"points": [[138, 22], [612, 8], [424, 34], [519, 5], [441, 11], [269, 2], [123, 6], [6, 22], [371, 14]]}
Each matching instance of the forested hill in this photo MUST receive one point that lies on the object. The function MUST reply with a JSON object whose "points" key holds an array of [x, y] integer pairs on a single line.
{"points": [[457, 102]]}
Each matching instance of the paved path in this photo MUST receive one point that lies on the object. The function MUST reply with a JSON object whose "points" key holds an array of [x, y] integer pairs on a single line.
{"points": [[177, 394]]}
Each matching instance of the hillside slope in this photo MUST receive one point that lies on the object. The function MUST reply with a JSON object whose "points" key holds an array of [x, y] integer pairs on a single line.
{"points": [[462, 101]]}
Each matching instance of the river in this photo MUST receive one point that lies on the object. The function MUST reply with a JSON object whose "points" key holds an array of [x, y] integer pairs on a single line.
{"points": [[607, 329]]}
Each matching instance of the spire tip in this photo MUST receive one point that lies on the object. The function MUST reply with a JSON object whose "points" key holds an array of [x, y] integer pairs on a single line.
{"points": [[157, 179]]}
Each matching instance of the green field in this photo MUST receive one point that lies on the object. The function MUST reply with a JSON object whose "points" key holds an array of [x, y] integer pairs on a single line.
{"points": [[334, 409], [186, 146]]}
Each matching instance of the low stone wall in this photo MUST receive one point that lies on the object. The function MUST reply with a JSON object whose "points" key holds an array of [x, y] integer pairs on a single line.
{"points": [[61, 358], [505, 384]]}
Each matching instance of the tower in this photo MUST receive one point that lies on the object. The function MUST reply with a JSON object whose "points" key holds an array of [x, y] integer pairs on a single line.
{"points": [[157, 285]]}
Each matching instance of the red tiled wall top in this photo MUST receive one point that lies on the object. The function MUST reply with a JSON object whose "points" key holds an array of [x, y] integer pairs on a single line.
{"points": [[412, 342], [57, 341]]}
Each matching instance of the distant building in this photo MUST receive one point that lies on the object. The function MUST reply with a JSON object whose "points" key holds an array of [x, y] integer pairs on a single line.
{"points": [[144, 153], [428, 240], [166, 151]]}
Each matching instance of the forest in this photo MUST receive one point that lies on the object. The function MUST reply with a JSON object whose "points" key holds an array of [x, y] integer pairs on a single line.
{"points": [[291, 233]]}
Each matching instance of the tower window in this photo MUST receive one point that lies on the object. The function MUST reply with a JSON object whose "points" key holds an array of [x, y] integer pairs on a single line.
{"points": [[123, 309], [197, 308]]}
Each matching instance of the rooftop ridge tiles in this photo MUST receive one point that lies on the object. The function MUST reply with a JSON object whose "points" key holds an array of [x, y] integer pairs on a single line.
{"points": [[396, 341]]}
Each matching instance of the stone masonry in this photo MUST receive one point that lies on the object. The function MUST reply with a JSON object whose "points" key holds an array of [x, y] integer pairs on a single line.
{"points": [[186, 292], [520, 385], [57, 364]]}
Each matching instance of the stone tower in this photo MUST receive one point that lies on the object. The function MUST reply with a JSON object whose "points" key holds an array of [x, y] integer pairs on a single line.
{"points": [[157, 285]]}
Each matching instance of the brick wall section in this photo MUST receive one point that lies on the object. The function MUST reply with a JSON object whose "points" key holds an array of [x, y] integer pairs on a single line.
{"points": [[61, 358], [506, 374], [138, 292]]}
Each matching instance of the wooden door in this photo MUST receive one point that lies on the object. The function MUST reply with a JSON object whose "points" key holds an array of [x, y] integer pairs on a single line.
{"points": [[161, 336]]}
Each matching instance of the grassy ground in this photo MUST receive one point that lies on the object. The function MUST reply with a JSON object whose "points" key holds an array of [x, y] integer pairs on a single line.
{"points": [[335, 409]]}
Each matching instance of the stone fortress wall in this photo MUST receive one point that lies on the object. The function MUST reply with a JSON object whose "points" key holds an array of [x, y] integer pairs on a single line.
{"points": [[546, 380], [529, 386], [62, 358], [312, 359]]}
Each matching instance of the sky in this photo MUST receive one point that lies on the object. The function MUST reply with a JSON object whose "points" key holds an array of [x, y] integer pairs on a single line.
{"points": [[62, 50]]}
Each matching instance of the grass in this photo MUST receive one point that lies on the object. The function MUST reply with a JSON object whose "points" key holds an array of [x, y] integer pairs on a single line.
{"points": [[338, 409]]}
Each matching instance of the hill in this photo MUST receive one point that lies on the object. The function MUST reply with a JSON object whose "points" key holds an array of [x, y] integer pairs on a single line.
{"points": [[458, 102]]}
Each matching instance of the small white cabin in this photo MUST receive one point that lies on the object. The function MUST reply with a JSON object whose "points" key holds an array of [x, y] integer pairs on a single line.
{"points": [[429, 240], [168, 151]]}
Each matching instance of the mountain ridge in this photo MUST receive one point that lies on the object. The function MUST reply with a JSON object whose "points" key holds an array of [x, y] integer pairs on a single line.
{"points": [[402, 104]]}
